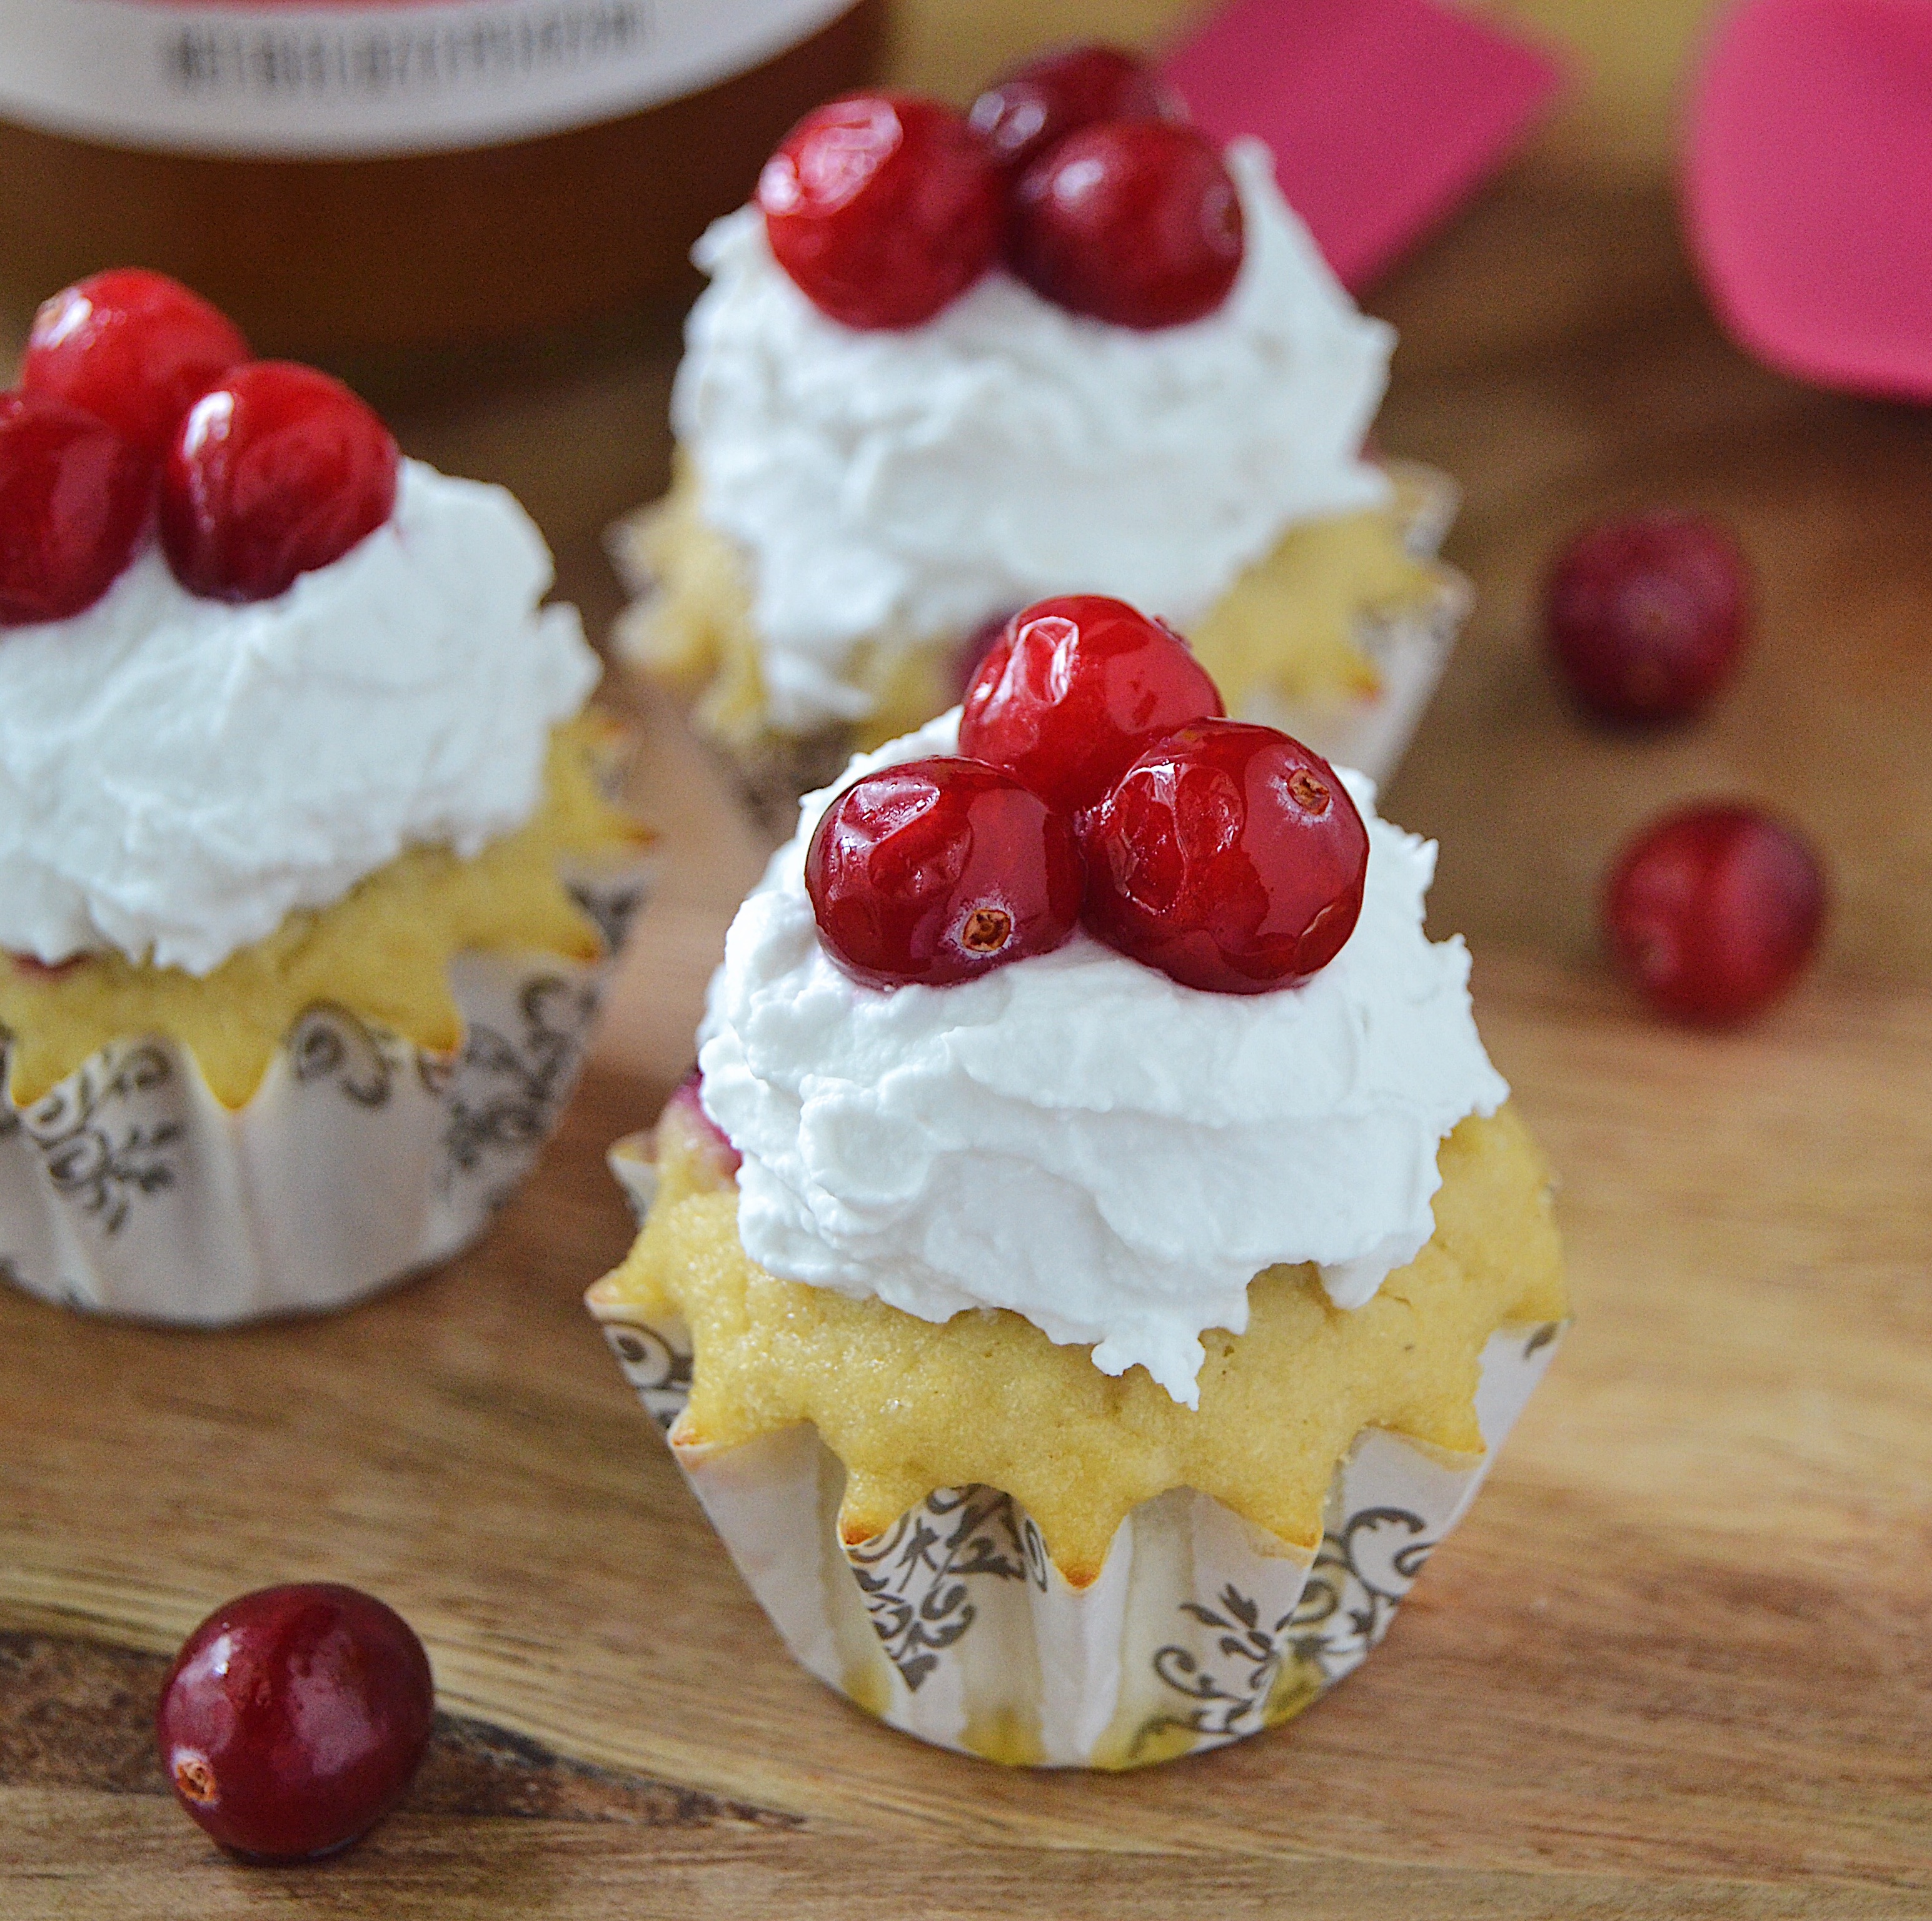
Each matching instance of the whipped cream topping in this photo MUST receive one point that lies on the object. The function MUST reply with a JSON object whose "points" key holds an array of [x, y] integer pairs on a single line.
{"points": [[910, 485], [1076, 1137], [177, 774]]}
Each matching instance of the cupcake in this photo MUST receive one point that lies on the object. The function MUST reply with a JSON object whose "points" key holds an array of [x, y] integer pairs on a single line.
{"points": [[308, 875], [1095, 1261], [944, 367]]}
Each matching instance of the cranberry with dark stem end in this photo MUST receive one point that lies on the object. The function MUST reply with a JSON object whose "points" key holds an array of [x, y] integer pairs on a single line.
{"points": [[1646, 618], [294, 1718], [133, 348], [934, 871], [882, 208], [75, 500], [1712, 912], [1229, 857], [1021, 114], [276, 470], [1073, 688], [1135, 222]]}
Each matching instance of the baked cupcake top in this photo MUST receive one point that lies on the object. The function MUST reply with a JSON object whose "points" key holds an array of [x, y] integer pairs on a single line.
{"points": [[915, 480], [1078, 1137], [327, 656]]}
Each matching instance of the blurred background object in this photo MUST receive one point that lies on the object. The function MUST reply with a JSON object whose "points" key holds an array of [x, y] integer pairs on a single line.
{"points": [[370, 175], [1383, 115], [1807, 180], [1628, 58], [349, 176]]}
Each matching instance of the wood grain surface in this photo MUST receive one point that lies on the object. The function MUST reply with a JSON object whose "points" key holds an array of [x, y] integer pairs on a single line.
{"points": [[1678, 1660]]}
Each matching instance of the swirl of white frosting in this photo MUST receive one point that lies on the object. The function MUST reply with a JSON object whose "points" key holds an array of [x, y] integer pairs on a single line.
{"points": [[911, 484], [1078, 1139], [177, 774]]}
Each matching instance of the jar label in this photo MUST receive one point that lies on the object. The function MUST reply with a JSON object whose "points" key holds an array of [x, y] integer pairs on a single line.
{"points": [[370, 76]]}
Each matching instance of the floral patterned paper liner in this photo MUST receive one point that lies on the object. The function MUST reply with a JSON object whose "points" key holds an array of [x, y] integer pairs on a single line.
{"points": [[955, 1626], [1410, 653], [129, 1189]]}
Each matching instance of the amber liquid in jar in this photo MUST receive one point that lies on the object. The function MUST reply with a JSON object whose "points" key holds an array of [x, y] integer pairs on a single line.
{"points": [[366, 175]]}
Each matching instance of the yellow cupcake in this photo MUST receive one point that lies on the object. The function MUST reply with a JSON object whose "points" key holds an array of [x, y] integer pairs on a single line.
{"points": [[850, 505], [381, 953], [1134, 1498], [1337, 634]]}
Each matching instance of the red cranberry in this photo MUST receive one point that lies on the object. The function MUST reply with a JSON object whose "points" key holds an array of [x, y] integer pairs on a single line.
{"points": [[75, 499], [1229, 857], [134, 347], [1133, 222], [1073, 688], [276, 472], [1646, 618], [883, 208], [1020, 116], [974, 650], [1713, 911], [687, 1099], [293, 1719], [934, 871], [32, 967]]}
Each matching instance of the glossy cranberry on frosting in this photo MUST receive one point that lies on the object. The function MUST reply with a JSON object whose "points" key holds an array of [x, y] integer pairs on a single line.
{"points": [[882, 208], [935, 871], [1135, 222], [1229, 857], [277, 470], [1073, 688], [1022, 113], [132, 347], [75, 500]]}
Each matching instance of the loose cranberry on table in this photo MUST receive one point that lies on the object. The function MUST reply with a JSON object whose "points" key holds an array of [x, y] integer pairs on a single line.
{"points": [[883, 208], [1022, 114], [1646, 618], [134, 348], [1712, 912], [276, 470], [75, 501], [934, 871], [1073, 688], [1133, 222], [294, 1718], [1230, 857]]}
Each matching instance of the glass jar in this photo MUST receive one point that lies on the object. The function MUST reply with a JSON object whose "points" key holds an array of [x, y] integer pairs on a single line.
{"points": [[360, 175]]}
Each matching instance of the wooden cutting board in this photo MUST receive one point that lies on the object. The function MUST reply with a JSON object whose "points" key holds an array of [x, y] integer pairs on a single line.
{"points": [[1675, 1662]]}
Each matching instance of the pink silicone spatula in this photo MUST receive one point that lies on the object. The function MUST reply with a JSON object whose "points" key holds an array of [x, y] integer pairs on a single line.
{"points": [[1384, 114], [1807, 188]]}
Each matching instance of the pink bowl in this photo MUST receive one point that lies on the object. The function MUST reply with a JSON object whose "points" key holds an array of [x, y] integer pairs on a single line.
{"points": [[1807, 188]]}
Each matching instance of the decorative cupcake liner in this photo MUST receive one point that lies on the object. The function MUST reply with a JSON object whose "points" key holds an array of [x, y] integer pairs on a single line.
{"points": [[130, 1190], [954, 1625], [1410, 651]]}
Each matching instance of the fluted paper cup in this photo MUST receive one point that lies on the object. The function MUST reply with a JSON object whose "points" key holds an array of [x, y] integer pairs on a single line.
{"points": [[130, 1190], [954, 1625]]}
